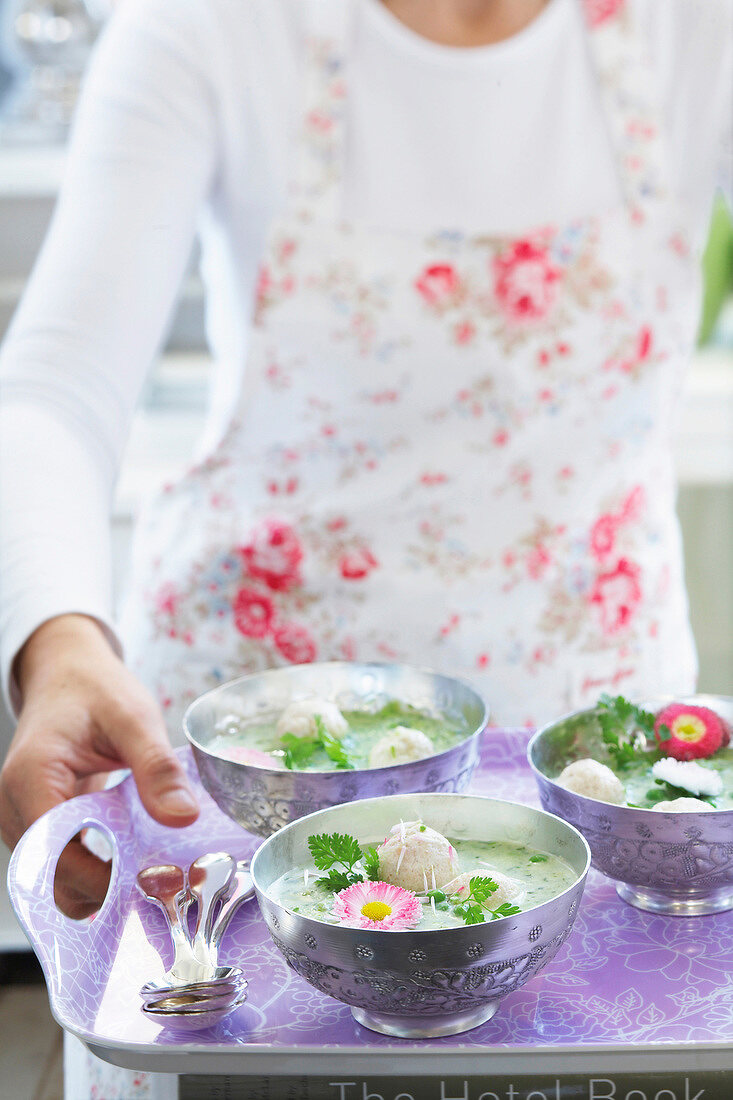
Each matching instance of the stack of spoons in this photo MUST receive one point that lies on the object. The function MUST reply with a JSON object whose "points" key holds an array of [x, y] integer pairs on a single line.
{"points": [[196, 992]]}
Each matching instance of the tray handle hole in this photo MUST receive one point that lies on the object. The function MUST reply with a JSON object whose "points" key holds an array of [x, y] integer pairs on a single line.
{"points": [[83, 873]]}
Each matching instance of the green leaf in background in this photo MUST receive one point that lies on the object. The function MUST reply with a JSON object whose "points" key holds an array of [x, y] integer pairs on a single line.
{"points": [[717, 266]]}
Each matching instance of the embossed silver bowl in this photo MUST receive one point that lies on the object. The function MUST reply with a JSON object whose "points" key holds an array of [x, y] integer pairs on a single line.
{"points": [[665, 862], [265, 799], [422, 984]]}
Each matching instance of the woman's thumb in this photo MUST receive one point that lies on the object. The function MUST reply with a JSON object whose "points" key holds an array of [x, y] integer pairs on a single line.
{"points": [[162, 784]]}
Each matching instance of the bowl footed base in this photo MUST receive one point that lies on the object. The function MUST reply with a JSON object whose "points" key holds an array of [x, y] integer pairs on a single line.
{"points": [[657, 901], [424, 1027]]}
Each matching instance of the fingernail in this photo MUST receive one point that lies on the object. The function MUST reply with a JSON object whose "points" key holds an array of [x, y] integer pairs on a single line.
{"points": [[179, 801]]}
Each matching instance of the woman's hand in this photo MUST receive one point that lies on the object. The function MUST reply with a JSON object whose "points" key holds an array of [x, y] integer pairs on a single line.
{"points": [[84, 714]]}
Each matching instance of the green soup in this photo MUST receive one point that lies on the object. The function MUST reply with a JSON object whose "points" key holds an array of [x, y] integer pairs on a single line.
{"points": [[365, 730], [541, 876], [638, 780]]}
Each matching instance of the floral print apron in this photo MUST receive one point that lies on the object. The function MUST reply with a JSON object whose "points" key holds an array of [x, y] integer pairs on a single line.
{"points": [[450, 449]]}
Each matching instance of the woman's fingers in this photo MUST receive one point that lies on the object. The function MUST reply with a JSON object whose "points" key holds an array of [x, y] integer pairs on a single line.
{"points": [[83, 714], [31, 783], [141, 741]]}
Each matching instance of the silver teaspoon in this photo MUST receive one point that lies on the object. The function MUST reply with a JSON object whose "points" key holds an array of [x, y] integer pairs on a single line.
{"points": [[209, 878], [164, 885], [243, 890]]}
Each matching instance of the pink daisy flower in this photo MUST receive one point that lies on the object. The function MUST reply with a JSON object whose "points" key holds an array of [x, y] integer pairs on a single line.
{"points": [[377, 906]]}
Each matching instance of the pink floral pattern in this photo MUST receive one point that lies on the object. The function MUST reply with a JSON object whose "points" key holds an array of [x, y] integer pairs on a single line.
{"points": [[600, 11], [511, 290], [439, 285], [525, 281], [357, 564], [253, 613], [617, 594], [274, 555], [295, 643], [452, 451]]}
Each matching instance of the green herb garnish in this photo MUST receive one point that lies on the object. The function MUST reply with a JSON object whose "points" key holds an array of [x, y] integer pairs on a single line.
{"points": [[471, 908], [339, 854], [506, 909], [370, 859], [335, 750], [621, 723], [333, 851], [299, 750], [665, 791], [538, 859], [474, 910]]}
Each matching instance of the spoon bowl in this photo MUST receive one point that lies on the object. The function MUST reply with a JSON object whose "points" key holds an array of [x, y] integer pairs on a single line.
{"points": [[223, 979], [165, 886], [182, 1014]]}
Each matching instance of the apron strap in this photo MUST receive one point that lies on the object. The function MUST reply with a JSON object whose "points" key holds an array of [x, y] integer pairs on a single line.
{"points": [[317, 184], [634, 117], [633, 114]]}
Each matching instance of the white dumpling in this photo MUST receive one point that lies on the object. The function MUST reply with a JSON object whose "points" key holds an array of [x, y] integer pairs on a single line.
{"points": [[417, 858], [299, 718], [684, 805], [401, 745], [507, 888], [594, 780]]}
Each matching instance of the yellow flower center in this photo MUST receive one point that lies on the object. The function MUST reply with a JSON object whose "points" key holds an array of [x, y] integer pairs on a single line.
{"points": [[376, 910], [689, 728]]}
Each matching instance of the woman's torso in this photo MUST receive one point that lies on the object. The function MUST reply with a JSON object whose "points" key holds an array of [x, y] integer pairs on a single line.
{"points": [[468, 427]]}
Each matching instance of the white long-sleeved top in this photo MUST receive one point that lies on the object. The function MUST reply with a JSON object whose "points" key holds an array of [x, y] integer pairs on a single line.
{"points": [[187, 120]]}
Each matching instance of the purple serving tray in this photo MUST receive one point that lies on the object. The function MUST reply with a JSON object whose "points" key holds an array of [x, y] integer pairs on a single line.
{"points": [[624, 980]]}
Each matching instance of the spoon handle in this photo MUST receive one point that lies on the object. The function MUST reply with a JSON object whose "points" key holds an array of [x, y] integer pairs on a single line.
{"points": [[243, 891], [182, 956], [209, 879]]}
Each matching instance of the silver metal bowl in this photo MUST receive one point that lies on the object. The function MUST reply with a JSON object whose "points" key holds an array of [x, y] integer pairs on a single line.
{"points": [[422, 984], [665, 862], [265, 799]]}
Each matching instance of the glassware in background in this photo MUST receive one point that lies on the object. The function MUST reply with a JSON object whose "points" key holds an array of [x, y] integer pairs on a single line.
{"points": [[46, 44]]}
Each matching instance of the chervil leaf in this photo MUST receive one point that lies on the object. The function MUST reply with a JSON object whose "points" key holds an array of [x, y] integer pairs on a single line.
{"points": [[481, 888], [298, 750], [330, 848], [621, 721], [338, 880], [504, 910], [330, 744], [471, 909], [335, 750], [370, 859], [665, 791], [538, 859]]}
